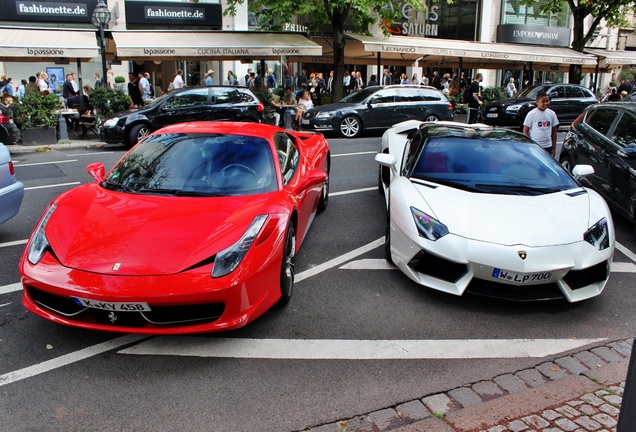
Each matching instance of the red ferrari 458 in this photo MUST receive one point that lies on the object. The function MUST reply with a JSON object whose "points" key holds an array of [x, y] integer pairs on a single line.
{"points": [[193, 230]]}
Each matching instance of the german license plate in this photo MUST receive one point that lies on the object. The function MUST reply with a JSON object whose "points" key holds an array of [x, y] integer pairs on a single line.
{"points": [[492, 115], [303, 121], [521, 278], [112, 306]]}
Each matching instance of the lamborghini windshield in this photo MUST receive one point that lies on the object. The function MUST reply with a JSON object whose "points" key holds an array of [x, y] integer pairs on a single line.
{"points": [[492, 166]]}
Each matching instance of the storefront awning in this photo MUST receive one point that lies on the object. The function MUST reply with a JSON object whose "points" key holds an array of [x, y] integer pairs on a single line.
{"points": [[225, 45], [612, 59], [26, 45], [436, 52]]}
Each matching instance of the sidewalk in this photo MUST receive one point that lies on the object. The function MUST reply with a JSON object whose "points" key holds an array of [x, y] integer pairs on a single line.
{"points": [[574, 393], [70, 144]]}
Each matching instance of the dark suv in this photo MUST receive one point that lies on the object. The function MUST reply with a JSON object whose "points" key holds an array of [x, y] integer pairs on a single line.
{"points": [[378, 108], [604, 137], [567, 100], [183, 105]]}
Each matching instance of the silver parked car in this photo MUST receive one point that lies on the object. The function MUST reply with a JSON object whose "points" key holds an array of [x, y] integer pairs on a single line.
{"points": [[11, 190]]}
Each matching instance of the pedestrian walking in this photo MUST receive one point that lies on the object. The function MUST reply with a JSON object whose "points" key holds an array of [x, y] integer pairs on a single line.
{"points": [[472, 96]]}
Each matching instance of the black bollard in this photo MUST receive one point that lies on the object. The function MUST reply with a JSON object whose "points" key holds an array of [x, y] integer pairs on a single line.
{"points": [[627, 416]]}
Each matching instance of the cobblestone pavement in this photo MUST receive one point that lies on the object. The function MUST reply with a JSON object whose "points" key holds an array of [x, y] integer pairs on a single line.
{"points": [[574, 393]]}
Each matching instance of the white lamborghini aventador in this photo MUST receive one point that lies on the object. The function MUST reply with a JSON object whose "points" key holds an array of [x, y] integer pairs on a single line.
{"points": [[471, 208]]}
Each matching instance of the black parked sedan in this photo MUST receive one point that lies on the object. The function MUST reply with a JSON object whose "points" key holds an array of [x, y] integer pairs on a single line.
{"points": [[188, 104], [604, 137], [378, 107], [567, 100]]}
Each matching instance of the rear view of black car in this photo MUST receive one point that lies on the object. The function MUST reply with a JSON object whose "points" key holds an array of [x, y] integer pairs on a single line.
{"points": [[567, 100], [184, 105], [378, 108], [604, 137], [9, 132]]}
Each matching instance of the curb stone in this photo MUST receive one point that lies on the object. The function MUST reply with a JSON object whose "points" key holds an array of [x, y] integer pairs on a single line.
{"points": [[577, 392]]}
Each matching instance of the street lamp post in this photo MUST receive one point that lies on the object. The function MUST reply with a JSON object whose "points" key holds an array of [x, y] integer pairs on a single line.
{"points": [[101, 18]]}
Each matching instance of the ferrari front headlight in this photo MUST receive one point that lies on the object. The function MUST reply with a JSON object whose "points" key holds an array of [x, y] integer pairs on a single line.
{"points": [[229, 258], [39, 242], [427, 226], [598, 235]]}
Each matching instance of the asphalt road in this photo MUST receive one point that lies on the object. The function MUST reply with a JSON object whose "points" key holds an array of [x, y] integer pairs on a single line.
{"points": [[59, 378]]}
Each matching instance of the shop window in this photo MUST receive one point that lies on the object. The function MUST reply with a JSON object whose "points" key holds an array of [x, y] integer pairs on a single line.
{"points": [[515, 12]]}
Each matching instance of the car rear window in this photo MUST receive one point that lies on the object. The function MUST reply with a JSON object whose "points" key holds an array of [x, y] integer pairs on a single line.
{"points": [[601, 120]]}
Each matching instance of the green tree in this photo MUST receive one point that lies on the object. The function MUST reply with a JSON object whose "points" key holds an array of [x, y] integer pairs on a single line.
{"points": [[612, 11], [274, 13]]}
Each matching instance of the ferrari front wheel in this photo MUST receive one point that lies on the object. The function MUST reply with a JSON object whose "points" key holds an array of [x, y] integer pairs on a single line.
{"points": [[287, 267], [324, 192]]}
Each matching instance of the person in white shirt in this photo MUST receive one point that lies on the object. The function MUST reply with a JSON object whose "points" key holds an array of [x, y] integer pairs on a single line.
{"points": [[74, 82], [541, 124], [144, 86], [304, 104], [177, 83]]}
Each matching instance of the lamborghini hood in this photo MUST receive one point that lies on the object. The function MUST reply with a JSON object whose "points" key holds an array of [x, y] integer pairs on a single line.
{"points": [[108, 232], [543, 220]]}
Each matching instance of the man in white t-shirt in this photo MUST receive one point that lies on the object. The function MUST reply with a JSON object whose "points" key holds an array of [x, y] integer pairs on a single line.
{"points": [[541, 124]]}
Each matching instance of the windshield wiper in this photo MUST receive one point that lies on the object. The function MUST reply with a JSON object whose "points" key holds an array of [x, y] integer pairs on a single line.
{"points": [[518, 188], [120, 186], [178, 192], [450, 183]]}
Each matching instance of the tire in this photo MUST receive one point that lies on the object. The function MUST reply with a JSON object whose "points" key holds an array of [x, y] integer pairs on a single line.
{"points": [[566, 162], [137, 133], [380, 184], [350, 127], [324, 192], [287, 270], [387, 237], [431, 118]]}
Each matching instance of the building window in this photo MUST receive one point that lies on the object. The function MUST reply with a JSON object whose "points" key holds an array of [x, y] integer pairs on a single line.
{"points": [[515, 12]]}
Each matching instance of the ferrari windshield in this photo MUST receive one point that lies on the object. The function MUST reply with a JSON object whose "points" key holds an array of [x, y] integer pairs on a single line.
{"points": [[196, 165], [492, 166]]}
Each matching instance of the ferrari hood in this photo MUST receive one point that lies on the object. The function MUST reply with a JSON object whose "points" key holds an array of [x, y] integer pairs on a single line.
{"points": [[551, 219], [107, 232]]}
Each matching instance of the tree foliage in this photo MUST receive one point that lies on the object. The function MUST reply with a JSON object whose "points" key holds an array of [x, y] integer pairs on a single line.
{"points": [[273, 14]]}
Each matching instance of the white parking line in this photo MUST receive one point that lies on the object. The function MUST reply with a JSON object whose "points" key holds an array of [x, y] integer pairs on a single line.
{"points": [[369, 264], [89, 154], [46, 163], [338, 349], [629, 254], [333, 194], [339, 260], [354, 154], [11, 288], [51, 186], [67, 359], [13, 243]]}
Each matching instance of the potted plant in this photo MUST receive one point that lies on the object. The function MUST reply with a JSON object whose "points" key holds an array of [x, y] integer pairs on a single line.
{"points": [[119, 82], [106, 101], [38, 116]]}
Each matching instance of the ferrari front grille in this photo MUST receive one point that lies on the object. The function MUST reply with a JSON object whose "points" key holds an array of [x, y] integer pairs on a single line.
{"points": [[166, 316], [438, 267]]}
